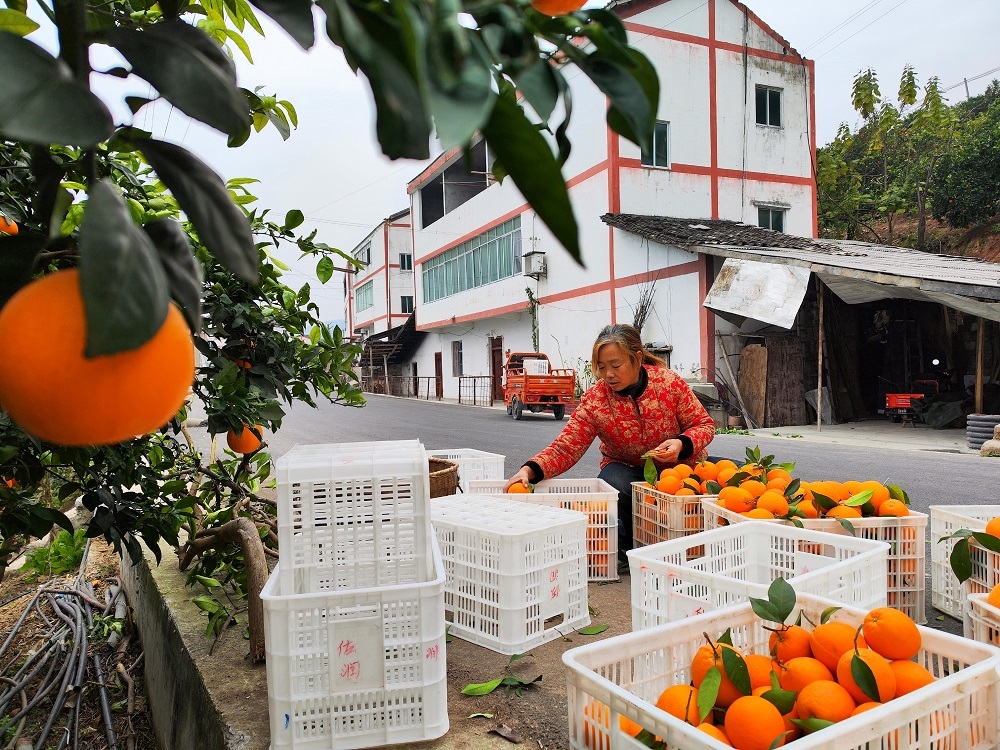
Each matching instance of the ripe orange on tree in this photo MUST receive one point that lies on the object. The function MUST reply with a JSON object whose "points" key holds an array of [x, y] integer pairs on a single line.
{"points": [[246, 441], [8, 226], [52, 391], [557, 7]]}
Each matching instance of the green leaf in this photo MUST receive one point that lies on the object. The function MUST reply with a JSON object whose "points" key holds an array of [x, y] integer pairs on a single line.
{"points": [[860, 499], [593, 629], [765, 610], [123, 285], [736, 670], [713, 487], [202, 195], [726, 637], [708, 692], [989, 541], [324, 269], [793, 487], [293, 116], [209, 583], [294, 16], [898, 493], [783, 700], [293, 219], [43, 103], [823, 501], [189, 69], [183, 271], [961, 560], [782, 597], [482, 688], [649, 471], [460, 90], [827, 614], [540, 87], [530, 163], [480, 716], [634, 93], [864, 678], [516, 657], [16, 22], [206, 604], [848, 526], [811, 725]]}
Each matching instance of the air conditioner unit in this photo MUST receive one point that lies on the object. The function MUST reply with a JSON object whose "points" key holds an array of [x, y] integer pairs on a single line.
{"points": [[533, 263]]}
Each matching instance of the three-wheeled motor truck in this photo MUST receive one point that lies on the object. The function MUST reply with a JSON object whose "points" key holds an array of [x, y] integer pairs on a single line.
{"points": [[530, 382]]}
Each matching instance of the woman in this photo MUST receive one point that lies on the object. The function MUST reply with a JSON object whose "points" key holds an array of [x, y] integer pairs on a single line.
{"points": [[638, 406]]}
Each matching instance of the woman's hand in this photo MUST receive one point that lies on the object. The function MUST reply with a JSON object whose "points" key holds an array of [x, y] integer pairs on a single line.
{"points": [[668, 451], [526, 476]]}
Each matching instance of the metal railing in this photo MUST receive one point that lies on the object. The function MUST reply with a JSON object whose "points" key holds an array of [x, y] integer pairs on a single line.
{"points": [[476, 390], [404, 386]]}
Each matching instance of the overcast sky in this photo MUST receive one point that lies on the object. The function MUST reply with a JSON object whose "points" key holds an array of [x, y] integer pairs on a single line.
{"points": [[332, 170]]}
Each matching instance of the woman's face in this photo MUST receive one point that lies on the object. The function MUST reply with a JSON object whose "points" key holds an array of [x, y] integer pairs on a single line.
{"points": [[615, 366]]}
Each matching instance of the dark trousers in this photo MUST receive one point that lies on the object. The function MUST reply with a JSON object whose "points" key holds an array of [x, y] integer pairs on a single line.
{"points": [[621, 477]]}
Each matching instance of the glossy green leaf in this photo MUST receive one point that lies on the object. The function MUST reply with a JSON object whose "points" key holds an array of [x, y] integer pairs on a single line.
{"points": [[184, 276], [765, 610], [293, 219], [961, 560], [827, 614], [736, 670], [482, 688], [540, 88], [593, 629], [649, 471], [726, 637], [898, 493], [122, 282], [782, 597], [43, 103], [713, 487], [783, 700], [859, 499], [823, 501], [188, 69], [864, 678], [848, 526], [324, 269], [16, 22], [708, 692], [202, 195], [294, 16], [792, 488], [811, 725], [209, 583], [533, 168]]}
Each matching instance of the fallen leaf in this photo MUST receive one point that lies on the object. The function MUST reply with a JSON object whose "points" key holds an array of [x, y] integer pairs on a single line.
{"points": [[507, 733]]}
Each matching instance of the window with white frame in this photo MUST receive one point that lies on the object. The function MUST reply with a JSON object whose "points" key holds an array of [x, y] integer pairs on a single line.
{"points": [[491, 256], [405, 262], [658, 155], [364, 296], [406, 303], [768, 106], [770, 217], [364, 253], [456, 358]]}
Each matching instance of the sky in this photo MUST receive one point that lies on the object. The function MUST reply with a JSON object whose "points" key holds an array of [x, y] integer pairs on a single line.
{"points": [[332, 170]]}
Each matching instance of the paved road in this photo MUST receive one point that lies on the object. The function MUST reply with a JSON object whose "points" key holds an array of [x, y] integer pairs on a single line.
{"points": [[929, 477]]}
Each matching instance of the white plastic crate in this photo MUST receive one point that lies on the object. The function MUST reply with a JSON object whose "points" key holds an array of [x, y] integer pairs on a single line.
{"points": [[352, 515], [595, 497], [658, 516], [516, 573], [473, 465], [982, 622], [906, 537], [624, 675], [672, 580], [947, 594], [536, 366], [357, 668]]}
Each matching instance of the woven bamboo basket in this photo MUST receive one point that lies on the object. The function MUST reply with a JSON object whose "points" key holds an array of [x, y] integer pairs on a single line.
{"points": [[443, 476]]}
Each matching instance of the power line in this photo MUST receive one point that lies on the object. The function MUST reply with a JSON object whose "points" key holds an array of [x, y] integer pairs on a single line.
{"points": [[863, 28], [842, 24], [973, 78]]}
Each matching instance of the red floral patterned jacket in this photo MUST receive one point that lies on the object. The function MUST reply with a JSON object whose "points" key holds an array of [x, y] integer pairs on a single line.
{"points": [[629, 428]]}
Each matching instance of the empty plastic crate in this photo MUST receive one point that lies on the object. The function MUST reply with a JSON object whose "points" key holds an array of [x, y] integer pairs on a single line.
{"points": [[595, 497], [672, 580], [516, 573], [982, 622], [906, 537], [358, 667], [473, 465], [352, 515], [624, 675], [657, 516], [947, 594]]}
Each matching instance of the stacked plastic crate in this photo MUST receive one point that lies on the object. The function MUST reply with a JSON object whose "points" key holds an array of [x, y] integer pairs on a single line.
{"points": [[354, 610]]}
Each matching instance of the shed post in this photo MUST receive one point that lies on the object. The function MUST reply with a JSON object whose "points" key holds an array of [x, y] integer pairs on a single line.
{"points": [[819, 363], [980, 341]]}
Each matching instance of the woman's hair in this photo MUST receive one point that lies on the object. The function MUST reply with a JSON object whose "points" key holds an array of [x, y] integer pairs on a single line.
{"points": [[628, 339]]}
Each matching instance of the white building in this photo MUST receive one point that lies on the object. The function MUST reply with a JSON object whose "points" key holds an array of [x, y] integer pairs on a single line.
{"points": [[734, 140]]}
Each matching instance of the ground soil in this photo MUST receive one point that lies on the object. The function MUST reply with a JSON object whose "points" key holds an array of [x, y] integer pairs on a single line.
{"points": [[133, 731]]}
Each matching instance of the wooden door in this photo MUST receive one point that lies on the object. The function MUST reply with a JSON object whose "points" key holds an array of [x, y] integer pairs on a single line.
{"points": [[496, 366], [438, 376]]}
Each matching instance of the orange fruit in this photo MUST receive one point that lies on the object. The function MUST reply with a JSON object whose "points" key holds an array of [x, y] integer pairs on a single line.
{"points": [[831, 640], [704, 659], [880, 492], [993, 599], [862, 707], [12, 483], [853, 486], [707, 470], [759, 513], [713, 731], [910, 676], [885, 679], [755, 488], [725, 473], [557, 7], [808, 509], [628, 726], [683, 471], [246, 441], [893, 508], [753, 723], [993, 527], [792, 732], [51, 390], [796, 673], [668, 484], [824, 699], [789, 642], [843, 511], [8, 226], [737, 499], [681, 701], [774, 502], [685, 492], [725, 463], [759, 666], [891, 633], [779, 473], [518, 488]]}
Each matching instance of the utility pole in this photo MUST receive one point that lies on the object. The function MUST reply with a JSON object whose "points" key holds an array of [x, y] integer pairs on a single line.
{"points": [[966, 82]]}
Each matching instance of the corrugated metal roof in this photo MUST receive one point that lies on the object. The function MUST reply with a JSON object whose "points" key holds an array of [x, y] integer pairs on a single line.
{"points": [[894, 269]]}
